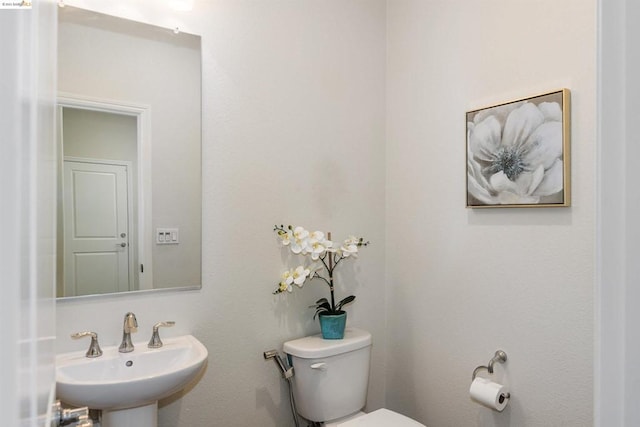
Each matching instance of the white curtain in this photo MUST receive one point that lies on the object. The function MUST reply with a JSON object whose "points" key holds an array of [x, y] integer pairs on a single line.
{"points": [[27, 212]]}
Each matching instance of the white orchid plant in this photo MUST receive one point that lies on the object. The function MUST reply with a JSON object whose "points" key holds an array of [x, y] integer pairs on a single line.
{"points": [[325, 257]]}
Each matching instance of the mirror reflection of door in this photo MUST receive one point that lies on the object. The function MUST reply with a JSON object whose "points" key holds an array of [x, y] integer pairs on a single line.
{"points": [[96, 227], [98, 206]]}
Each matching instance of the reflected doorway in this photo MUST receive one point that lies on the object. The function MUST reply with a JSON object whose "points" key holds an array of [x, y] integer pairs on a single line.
{"points": [[98, 204]]}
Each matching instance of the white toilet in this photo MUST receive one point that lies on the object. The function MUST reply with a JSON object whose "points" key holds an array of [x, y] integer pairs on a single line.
{"points": [[330, 381]]}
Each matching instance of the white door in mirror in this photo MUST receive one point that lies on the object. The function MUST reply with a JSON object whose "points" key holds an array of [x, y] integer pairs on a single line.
{"points": [[96, 228]]}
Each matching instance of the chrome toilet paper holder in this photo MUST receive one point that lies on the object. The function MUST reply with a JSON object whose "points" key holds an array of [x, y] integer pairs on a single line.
{"points": [[500, 357]]}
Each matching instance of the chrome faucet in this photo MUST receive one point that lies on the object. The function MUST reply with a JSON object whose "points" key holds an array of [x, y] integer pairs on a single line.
{"points": [[94, 347], [130, 325]]}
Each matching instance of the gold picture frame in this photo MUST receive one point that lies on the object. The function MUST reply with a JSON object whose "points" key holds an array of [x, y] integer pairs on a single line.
{"points": [[518, 153]]}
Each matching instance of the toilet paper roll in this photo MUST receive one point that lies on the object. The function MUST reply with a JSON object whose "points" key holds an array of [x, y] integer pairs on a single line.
{"points": [[490, 394]]}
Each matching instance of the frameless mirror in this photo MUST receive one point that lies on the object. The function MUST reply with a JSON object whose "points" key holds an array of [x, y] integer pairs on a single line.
{"points": [[129, 142]]}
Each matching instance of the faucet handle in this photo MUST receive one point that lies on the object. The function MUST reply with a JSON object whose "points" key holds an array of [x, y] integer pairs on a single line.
{"points": [[94, 347], [155, 341]]}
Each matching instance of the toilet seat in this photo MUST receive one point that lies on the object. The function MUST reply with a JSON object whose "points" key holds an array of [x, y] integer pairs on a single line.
{"points": [[381, 418]]}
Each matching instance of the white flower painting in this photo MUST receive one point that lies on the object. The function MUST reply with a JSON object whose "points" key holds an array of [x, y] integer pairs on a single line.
{"points": [[518, 153]]}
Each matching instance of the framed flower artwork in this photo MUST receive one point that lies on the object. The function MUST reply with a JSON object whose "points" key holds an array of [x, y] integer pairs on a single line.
{"points": [[518, 153]]}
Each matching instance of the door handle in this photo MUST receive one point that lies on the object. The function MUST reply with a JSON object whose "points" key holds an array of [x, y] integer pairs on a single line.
{"points": [[122, 245]]}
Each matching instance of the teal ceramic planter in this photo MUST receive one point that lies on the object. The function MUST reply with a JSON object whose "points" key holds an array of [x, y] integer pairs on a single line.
{"points": [[332, 325]]}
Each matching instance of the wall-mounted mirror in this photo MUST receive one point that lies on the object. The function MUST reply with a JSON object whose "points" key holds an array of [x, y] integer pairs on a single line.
{"points": [[129, 141]]}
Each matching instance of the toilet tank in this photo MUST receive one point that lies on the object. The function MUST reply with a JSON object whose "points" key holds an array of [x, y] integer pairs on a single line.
{"points": [[330, 376]]}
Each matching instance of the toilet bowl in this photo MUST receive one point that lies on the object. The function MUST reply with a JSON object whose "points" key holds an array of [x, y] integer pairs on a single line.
{"points": [[330, 381]]}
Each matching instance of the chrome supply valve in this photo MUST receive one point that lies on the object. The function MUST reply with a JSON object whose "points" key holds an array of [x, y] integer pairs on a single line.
{"points": [[273, 354], [130, 325], [78, 417], [155, 341], [94, 347]]}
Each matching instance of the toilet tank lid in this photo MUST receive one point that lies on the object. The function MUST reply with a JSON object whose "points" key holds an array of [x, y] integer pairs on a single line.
{"points": [[315, 346]]}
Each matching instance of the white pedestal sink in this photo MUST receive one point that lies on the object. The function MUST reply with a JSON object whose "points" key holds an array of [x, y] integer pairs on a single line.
{"points": [[127, 386]]}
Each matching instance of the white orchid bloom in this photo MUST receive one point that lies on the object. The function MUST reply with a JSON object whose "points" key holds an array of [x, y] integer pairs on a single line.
{"points": [[287, 280], [284, 287], [514, 154], [285, 237], [300, 240], [318, 245], [350, 247], [316, 236], [300, 274]]}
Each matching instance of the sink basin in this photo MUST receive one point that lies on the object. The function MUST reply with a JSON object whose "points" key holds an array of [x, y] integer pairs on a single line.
{"points": [[116, 381]]}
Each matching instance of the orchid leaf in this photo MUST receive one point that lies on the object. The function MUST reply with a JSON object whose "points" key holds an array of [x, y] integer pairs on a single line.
{"points": [[322, 306], [345, 301]]}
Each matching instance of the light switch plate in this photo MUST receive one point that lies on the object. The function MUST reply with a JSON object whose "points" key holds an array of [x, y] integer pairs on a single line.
{"points": [[167, 236]]}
